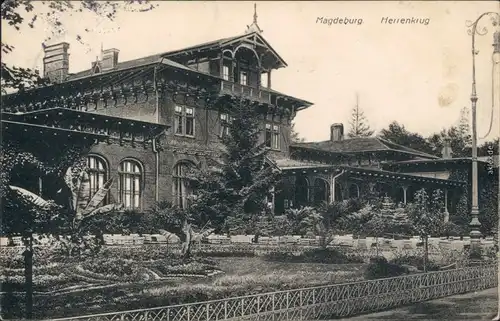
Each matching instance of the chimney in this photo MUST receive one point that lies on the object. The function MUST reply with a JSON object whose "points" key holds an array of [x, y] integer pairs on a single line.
{"points": [[336, 132], [56, 62], [109, 58], [446, 152]]}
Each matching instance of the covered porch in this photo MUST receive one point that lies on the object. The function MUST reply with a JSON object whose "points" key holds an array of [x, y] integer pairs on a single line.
{"points": [[309, 184]]}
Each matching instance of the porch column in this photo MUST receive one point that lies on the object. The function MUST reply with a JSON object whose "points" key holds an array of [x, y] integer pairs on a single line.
{"points": [[332, 188], [405, 188], [446, 213], [269, 79]]}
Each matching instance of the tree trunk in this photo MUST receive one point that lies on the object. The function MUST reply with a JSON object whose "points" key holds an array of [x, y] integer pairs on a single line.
{"points": [[28, 276], [186, 245], [426, 252]]}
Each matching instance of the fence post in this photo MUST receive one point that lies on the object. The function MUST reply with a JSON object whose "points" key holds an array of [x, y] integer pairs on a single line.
{"points": [[287, 303], [301, 304], [273, 306], [207, 307], [225, 310], [242, 308]]}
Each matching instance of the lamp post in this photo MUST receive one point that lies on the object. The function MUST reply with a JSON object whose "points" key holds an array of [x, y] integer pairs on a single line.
{"points": [[475, 224], [475, 234]]}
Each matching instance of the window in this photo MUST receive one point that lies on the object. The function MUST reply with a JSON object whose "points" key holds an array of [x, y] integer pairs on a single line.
{"points": [[243, 78], [181, 188], [263, 80], [184, 121], [225, 72], [130, 184], [98, 172], [225, 120], [272, 136], [268, 134], [276, 137]]}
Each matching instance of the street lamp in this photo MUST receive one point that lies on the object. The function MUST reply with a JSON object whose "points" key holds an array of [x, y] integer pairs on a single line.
{"points": [[475, 234], [474, 224]]}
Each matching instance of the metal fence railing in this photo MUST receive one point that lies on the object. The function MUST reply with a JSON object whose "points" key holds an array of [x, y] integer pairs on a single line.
{"points": [[338, 300]]}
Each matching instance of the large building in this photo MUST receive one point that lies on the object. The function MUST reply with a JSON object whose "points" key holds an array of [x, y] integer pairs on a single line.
{"points": [[131, 103]]}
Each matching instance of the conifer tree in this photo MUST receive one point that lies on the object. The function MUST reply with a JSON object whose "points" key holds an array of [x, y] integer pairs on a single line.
{"points": [[231, 191], [359, 123]]}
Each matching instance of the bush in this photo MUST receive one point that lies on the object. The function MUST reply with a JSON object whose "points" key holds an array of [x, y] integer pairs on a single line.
{"points": [[416, 261], [380, 268], [113, 267], [329, 256]]}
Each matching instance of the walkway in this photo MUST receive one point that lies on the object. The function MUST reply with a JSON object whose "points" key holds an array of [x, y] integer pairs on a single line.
{"points": [[472, 306]]}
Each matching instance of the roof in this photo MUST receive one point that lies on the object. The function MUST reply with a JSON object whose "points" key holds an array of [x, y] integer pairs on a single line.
{"points": [[294, 166], [163, 58], [494, 159], [145, 61], [360, 144]]}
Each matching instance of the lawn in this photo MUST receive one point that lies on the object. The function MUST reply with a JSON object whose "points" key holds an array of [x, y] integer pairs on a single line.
{"points": [[108, 284]]}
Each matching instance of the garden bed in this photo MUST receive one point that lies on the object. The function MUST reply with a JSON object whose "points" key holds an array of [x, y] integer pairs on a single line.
{"points": [[94, 287]]}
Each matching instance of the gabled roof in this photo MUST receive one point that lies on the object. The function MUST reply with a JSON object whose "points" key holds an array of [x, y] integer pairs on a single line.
{"points": [[164, 57], [360, 144], [253, 37]]}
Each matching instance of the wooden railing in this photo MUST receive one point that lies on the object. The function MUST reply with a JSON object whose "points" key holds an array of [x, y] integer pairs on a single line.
{"points": [[258, 94], [338, 300]]}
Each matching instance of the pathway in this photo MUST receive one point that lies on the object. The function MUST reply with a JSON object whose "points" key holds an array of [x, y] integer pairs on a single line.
{"points": [[474, 306]]}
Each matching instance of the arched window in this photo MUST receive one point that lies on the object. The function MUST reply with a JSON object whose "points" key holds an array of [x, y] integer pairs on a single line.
{"points": [[98, 174], [130, 183], [321, 191], [181, 190], [354, 191]]}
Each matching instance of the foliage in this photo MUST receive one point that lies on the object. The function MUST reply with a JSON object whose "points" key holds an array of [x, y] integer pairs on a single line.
{"points": [[379, 268], [294, 135], [359, 123], [230, 192], [451, 229], [323, 255], [398, 134], [426, 213], [21, 13], [415, 261]]}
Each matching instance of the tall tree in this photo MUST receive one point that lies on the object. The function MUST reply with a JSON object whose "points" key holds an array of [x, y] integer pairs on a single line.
{"points": [[427, 217], [294, 135], [232, 190], [19, 14], [398, 134], [359, 123]]}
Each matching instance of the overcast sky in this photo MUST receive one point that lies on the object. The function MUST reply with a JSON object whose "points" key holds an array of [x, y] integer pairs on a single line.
{"points": [[418, 75]]}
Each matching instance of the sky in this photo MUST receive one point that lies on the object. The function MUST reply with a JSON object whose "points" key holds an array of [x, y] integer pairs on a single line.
{"points": [[416, 74]]}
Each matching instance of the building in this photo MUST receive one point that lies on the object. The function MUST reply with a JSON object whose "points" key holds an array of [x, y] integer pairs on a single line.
{"points": [[131, 103]]}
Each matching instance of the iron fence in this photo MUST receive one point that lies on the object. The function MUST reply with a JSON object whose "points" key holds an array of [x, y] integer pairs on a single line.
{"points": [[339, 300]]}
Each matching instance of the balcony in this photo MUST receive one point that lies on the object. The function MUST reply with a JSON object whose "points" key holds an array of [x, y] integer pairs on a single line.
{"points": [[257, 94]]}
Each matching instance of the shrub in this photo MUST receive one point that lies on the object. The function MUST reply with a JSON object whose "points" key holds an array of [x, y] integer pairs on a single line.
{"points": [[416, 261], [323, 255], [380, 268]]}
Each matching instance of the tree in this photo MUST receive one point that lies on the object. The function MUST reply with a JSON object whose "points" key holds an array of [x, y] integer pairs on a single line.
{"points": [[294, 135], [398, 134], [427, 217], [19, 14], [359, 123], [230, 191]]}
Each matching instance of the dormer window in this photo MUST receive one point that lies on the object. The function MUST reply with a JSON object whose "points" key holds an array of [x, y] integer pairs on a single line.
{"points": [[225, 72], [243, 78]]}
